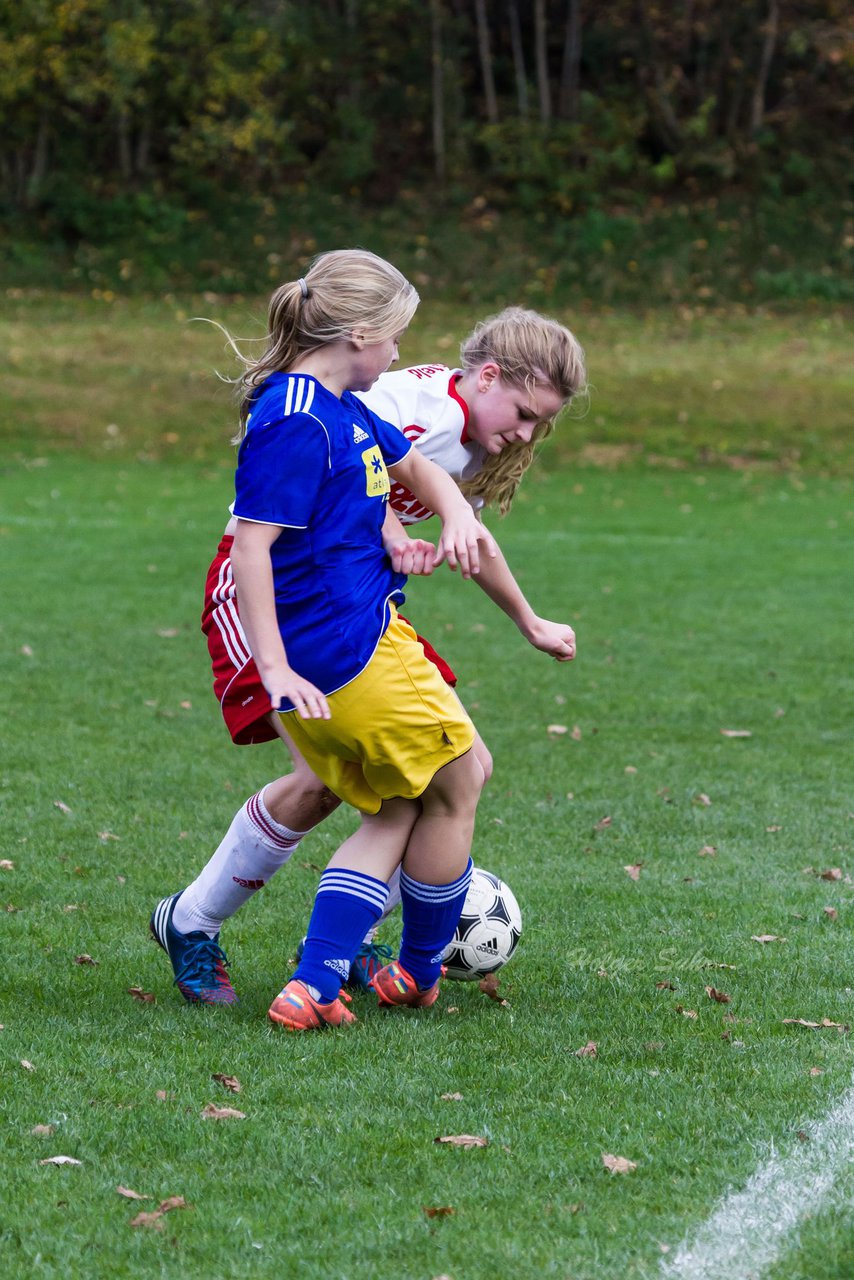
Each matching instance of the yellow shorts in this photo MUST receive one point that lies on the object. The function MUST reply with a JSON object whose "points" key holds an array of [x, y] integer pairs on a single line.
{"points": [[391, 729]]}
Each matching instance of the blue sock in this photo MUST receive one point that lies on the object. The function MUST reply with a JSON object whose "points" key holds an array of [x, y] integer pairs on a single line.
{"points": [[431, 913], [347, 904]]}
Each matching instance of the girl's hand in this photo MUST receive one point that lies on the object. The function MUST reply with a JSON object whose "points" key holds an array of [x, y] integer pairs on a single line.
{"points": [[282, 682], [555, 638], [412, 556], [463, 541]]}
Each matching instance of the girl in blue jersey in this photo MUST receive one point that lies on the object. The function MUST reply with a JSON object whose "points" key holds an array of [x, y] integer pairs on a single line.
{"points": [[318, 593]]}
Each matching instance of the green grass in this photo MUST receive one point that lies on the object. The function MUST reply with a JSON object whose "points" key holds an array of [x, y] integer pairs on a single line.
{"points": [[704, 598]]}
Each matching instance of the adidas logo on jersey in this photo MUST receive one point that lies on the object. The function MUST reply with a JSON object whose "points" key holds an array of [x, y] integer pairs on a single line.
{"points": [[358, 434]]}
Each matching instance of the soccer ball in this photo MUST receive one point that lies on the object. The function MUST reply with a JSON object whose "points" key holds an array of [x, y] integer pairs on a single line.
{"points": [[489, 929]]}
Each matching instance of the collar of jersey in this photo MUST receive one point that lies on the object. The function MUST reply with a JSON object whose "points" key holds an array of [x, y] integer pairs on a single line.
{"points": [[455, 395]]}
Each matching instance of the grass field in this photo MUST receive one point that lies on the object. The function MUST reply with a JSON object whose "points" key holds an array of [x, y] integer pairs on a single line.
{"points": [[706, 598]]}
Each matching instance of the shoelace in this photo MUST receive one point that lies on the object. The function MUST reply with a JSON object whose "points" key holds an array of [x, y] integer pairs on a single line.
{"points": [[203, 959], [379, 951]]}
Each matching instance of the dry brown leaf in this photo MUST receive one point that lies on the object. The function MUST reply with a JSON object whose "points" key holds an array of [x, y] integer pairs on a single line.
{"points": [[831, 913], [212, 1112], [144, 997], [463, 1140], [630, 768], [832, 873], [107, 835], [720, 996], [152, 1220], [163, 1095], [707, 851], [61, 806], [43, 1130], [816, 1071], [766, 937], [633, 872], [173, 1202], [773, 829], [617, 1164], [451, 1097], [665, 986], [27, 1065], [686, 1013], [85, 959], [6, 864], [489, 987], [60, 1160], [228, 1082], [703, 799], [576, 733], [589, 1050], [131, 1195], [556, 730], [438, 1211], [602, 824], [825, 1022], [737, 733]]}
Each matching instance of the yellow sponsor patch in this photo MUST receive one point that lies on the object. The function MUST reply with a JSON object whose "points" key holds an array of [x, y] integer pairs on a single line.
{"points": [[375, 473]]}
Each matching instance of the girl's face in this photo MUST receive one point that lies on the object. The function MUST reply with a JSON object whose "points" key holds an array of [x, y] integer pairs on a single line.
{"points": [[372, 359], [501, 413]]}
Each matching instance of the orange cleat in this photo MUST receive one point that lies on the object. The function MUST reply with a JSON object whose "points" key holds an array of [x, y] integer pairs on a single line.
{"points": [[394, 986], [296, 1010]]}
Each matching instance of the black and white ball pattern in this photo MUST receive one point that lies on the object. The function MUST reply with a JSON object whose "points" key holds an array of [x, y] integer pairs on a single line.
{"points": [[488, 932]]}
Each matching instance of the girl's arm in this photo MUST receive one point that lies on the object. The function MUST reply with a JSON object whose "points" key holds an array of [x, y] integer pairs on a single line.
{"points": [[253, 577], [408, 555], [496, 579], [463, 535]]}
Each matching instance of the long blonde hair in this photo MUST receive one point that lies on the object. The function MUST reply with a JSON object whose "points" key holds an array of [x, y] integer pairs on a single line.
{"points": [[530, 350], [342, 292]]}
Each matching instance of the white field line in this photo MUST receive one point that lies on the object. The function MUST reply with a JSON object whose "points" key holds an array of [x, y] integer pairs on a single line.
{"points": [[750, 1229]]}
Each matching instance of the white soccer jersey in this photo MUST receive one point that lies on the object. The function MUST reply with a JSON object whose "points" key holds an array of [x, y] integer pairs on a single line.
{"points": [[424, 404]]}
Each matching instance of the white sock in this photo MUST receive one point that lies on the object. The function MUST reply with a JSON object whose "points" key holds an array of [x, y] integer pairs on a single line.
{"points": [[253, 850], [392, 902]]}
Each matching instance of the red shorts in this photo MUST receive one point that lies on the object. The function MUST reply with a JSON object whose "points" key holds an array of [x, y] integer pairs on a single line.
{"points": [[241, 695]]}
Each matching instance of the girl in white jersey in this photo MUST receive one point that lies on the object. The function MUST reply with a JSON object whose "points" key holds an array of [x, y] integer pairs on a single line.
{"points": [[480, 423]]}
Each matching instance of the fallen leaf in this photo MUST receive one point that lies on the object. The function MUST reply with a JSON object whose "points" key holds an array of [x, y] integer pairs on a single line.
{"points": [[28, 1066], [556, 730], [803, 1136], [832, 873], [774, 828], [589, 1050], [633, 872], [212, 1112], [766, 937], [602, 824], [737, 733], [452, 1008], [576, 733], [131, 1195], [26, 650], [452, 1097], [489, 987], [107, 835], [62, 806], [228, 1082], [173, 1202], [144, 997], [6, 865], [703, 799], [720, 996], [85, 959], [151, 1220], [686, 1013], [831, 913], [816, 1071], [463, 1140], [665, 986], [167, 633], [707, 851], [43, 1130], [60, 1160], [825, 1022], [617, 1164], [630, 768], [163, 1095], [438, 1211], [186, 705]]}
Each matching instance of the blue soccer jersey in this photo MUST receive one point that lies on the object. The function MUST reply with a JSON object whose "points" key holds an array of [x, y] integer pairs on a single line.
{"points": [[316, 465]]}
